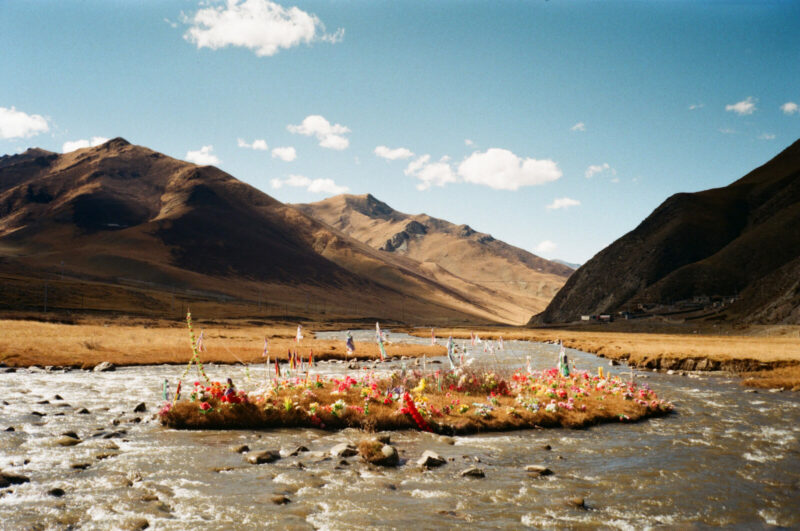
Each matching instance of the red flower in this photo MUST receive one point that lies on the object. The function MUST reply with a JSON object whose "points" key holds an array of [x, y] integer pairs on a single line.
{"points": [[205, 406]]}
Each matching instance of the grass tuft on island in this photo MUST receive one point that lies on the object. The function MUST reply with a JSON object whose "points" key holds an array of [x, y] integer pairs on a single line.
{"points": [[460, 401]]}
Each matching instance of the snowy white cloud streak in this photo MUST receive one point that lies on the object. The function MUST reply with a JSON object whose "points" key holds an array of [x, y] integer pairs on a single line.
{"points": [[17, 124], [79, 144], [330, 136], [258, 25], [203, 156], [324, 186]]}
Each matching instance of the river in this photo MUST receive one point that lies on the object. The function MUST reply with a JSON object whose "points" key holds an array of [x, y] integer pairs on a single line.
{"points": [[728, 457]]}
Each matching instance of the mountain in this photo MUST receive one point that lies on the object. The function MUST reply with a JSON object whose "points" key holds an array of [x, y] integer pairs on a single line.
{"points": [[456, 255], [570, 265], [740, 242], [131, 228]]}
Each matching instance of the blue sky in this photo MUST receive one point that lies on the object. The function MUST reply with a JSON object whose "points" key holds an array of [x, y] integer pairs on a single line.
{"points": [[490, 112]]}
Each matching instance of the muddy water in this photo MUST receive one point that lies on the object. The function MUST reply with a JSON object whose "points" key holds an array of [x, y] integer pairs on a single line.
{"points": [[727, 458]]}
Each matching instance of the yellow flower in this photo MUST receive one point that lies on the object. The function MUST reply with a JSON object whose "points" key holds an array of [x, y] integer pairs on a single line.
{"points": [[419, 388]]}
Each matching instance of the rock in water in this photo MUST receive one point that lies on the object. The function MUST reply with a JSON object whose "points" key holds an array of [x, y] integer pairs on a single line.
{"points": [[430, 459], [66, 440], [292, 453], [576, 502], [265, 456], [378, 453], [7, 479], [57, 492], [472, 472], [136, 524], [241, 449], [104, 367], [538, 471], [140, 408], [280, 499], [343, 450]]}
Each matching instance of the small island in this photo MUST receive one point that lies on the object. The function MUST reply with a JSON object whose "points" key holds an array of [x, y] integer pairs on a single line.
{"points": [[457, 401]]}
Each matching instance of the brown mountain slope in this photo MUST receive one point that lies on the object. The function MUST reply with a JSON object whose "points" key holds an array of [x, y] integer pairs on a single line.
{"points": [[455, 255], [739, 241], [121, 213]]}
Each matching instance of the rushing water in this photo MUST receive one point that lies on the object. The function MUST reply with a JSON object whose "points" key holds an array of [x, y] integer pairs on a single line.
{"points": [[727, 458]]}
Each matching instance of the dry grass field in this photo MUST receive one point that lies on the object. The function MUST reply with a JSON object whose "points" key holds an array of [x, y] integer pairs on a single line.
{"points": [[145, 342], [766, 361]]}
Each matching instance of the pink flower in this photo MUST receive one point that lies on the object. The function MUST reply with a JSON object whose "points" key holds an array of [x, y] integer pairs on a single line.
{"points": [[205, 406]]}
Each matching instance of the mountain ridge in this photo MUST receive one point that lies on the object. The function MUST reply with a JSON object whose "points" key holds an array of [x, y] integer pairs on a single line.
{"points": [[712, 244]]}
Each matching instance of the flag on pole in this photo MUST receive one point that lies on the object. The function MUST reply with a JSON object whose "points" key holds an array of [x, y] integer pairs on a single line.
{"points": [[379, 339], [433, 338], [350, 344], [199, 344], [266, 348], [451, 352]]}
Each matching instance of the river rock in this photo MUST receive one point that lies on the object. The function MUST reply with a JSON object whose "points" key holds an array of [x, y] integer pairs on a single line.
{"points": [[292, 453], [141, 407], [80, 466], [135, 524], [377, 453], [70, 434], [385, 439], [7, 478], [547, 447], [538, 471], [82, 411], [280, 499], [66, 440], [430, 459], [10, 428], [472, 472], [57, 397], [264, 456], [56, 492], [343, 450], [446, 440], [576, 501], [240, 449], [104, 367]]}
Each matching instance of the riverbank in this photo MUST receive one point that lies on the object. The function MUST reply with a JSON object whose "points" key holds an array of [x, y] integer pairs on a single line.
{"points": [[125, 342], [762, 361]]}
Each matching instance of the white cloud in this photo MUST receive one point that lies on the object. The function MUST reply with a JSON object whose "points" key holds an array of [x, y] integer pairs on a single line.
{"points": [[545, 247], [580, 126], [695, 106], [727, 131], [287, 154], [393, 154], [326, 186], [258, 144], [766, 136], [431, 173], [17, 124], [615, 180], [259, 25], [329, 136], [468, 142], [79, 144], [563, 202], [744, 107], [790, 108], [594, 169], [203, 156], [503, 170]]}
